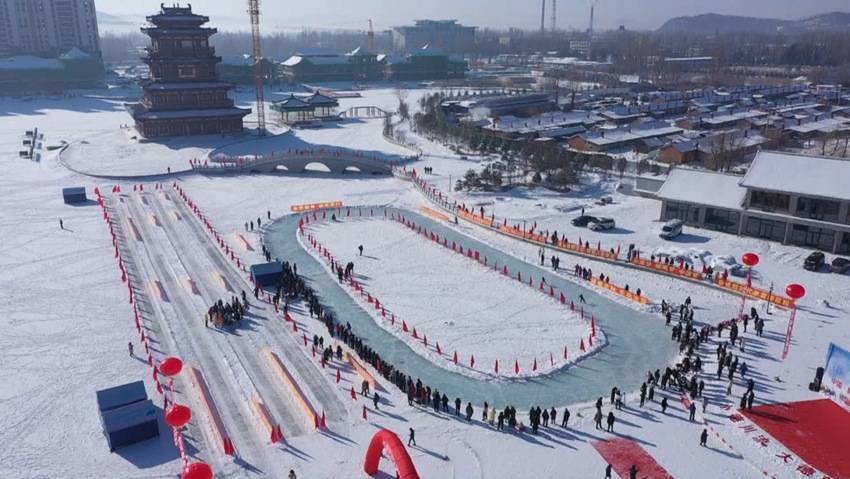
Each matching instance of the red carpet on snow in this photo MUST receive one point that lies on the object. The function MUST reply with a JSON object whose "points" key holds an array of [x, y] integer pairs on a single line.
{"points": [[622, 453], [817, 431]]}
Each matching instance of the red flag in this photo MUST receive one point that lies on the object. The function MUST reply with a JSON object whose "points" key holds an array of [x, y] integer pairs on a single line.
{"points": [[454, 359], [338, 376], [439, 351], [534, 366], [353, 394], [323, 423], [581, 346], [516, 367], [365, 417], [472, 361]]}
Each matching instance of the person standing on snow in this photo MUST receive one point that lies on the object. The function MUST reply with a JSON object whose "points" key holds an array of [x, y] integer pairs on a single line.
{"points": [[703, 438], [608, 471], [610, 421], [597, 418], [565, 418], [360, 249], [469, 412], [130, 348]]}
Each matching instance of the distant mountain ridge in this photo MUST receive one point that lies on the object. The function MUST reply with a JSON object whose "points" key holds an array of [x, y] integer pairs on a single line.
{"points": [[710, 23]]}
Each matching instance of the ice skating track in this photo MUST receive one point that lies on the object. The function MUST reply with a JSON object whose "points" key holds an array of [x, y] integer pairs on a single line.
{"points": [[622, 453], [818, 431], [179, 272]]}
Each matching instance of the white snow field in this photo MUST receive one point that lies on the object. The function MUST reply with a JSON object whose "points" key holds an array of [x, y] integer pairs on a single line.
{"points": [[66, 322], [463, 305]]}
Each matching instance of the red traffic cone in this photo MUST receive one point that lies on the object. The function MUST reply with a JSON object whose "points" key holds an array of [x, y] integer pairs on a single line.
{"points": [[353, 394], [566, 354], [323, 423], [581, 346], [425, 339], [439, 351], [228, 447], [415, 336], [404, 325], [563, 298], [365, 416]]}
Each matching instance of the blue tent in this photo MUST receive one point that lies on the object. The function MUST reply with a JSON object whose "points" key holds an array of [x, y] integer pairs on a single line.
{"points": [[267, 274], [74, 195], [127, 415]]}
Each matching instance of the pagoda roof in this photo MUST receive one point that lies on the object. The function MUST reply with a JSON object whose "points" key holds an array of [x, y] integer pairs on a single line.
{"points": [[168, 86], [139, 112], [177, 14]]}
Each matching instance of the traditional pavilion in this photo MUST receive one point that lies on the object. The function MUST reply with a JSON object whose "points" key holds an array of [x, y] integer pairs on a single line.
{"points": [[305, 109], [183, 95]]}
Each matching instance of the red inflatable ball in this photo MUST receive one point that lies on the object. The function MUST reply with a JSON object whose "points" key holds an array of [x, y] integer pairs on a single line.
{"points": [[795, 291], [750, 259], [178, 415], [197, 470], [171, 366]]}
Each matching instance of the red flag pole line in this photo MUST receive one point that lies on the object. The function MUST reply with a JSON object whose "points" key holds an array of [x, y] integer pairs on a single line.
{"points": [[327, 256]]}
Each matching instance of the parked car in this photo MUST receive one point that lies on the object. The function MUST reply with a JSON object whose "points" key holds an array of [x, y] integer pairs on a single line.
{"points": [[729, 264], [583, 220], [840, 265], [814, 261], [671, 229], [600, 224]]}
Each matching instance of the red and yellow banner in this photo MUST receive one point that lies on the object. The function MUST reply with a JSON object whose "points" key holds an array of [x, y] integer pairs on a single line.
{"points": [[316, 206]]}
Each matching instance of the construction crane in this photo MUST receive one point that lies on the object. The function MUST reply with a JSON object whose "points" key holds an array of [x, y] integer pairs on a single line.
{"points": [[259, 73], [554, 16], [371, 37]]}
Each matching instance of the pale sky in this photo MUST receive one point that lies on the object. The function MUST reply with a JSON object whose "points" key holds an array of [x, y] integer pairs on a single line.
{"points": [[354, 14]]}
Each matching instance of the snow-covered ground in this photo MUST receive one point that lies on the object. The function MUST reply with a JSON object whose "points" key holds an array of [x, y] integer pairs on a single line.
{"points": [[66, 323], [464, 306]]}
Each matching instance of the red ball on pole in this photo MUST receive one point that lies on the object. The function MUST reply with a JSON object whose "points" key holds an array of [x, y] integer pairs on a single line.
{"points": [[171, 366], [795, 291], [178, 415], [750, 259], [197, 470]]}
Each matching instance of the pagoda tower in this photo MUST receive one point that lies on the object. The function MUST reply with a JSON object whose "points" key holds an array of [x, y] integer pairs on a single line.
{"points": [[183, 95]]}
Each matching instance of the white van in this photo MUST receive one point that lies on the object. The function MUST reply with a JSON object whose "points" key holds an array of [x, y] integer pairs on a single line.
{"points": [[671, 229]]}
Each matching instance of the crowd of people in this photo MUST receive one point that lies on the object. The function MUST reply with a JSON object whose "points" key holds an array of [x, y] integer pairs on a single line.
{"points": [[222, 313]]}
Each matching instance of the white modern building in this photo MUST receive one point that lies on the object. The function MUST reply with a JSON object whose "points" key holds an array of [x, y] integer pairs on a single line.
{"points": [[47, 27], [795, 199], [446, 35]]}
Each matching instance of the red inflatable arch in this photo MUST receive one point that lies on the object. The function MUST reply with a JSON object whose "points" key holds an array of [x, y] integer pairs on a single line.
{"points": [[388, 439]]}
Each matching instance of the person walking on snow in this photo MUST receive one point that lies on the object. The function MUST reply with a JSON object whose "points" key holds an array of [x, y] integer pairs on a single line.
{"points": [[703, 438], [633, 472], [411, 437], [61, 224], [693, 410], [360, 249], [581, 299], [375, 400], [130, 348], [608, 471]]}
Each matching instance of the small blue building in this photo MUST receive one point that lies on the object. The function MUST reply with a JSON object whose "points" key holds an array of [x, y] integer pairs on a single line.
{"points": [[127, 415], [267, 275], [74, 195]]}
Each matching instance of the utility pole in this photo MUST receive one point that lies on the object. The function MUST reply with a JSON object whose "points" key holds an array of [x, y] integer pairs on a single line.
{"points": [[371, 37], [259, 73]]}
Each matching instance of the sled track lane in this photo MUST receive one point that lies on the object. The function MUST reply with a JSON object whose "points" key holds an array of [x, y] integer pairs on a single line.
{"points": [[187, 330], [245, 345], [288, 347]]}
